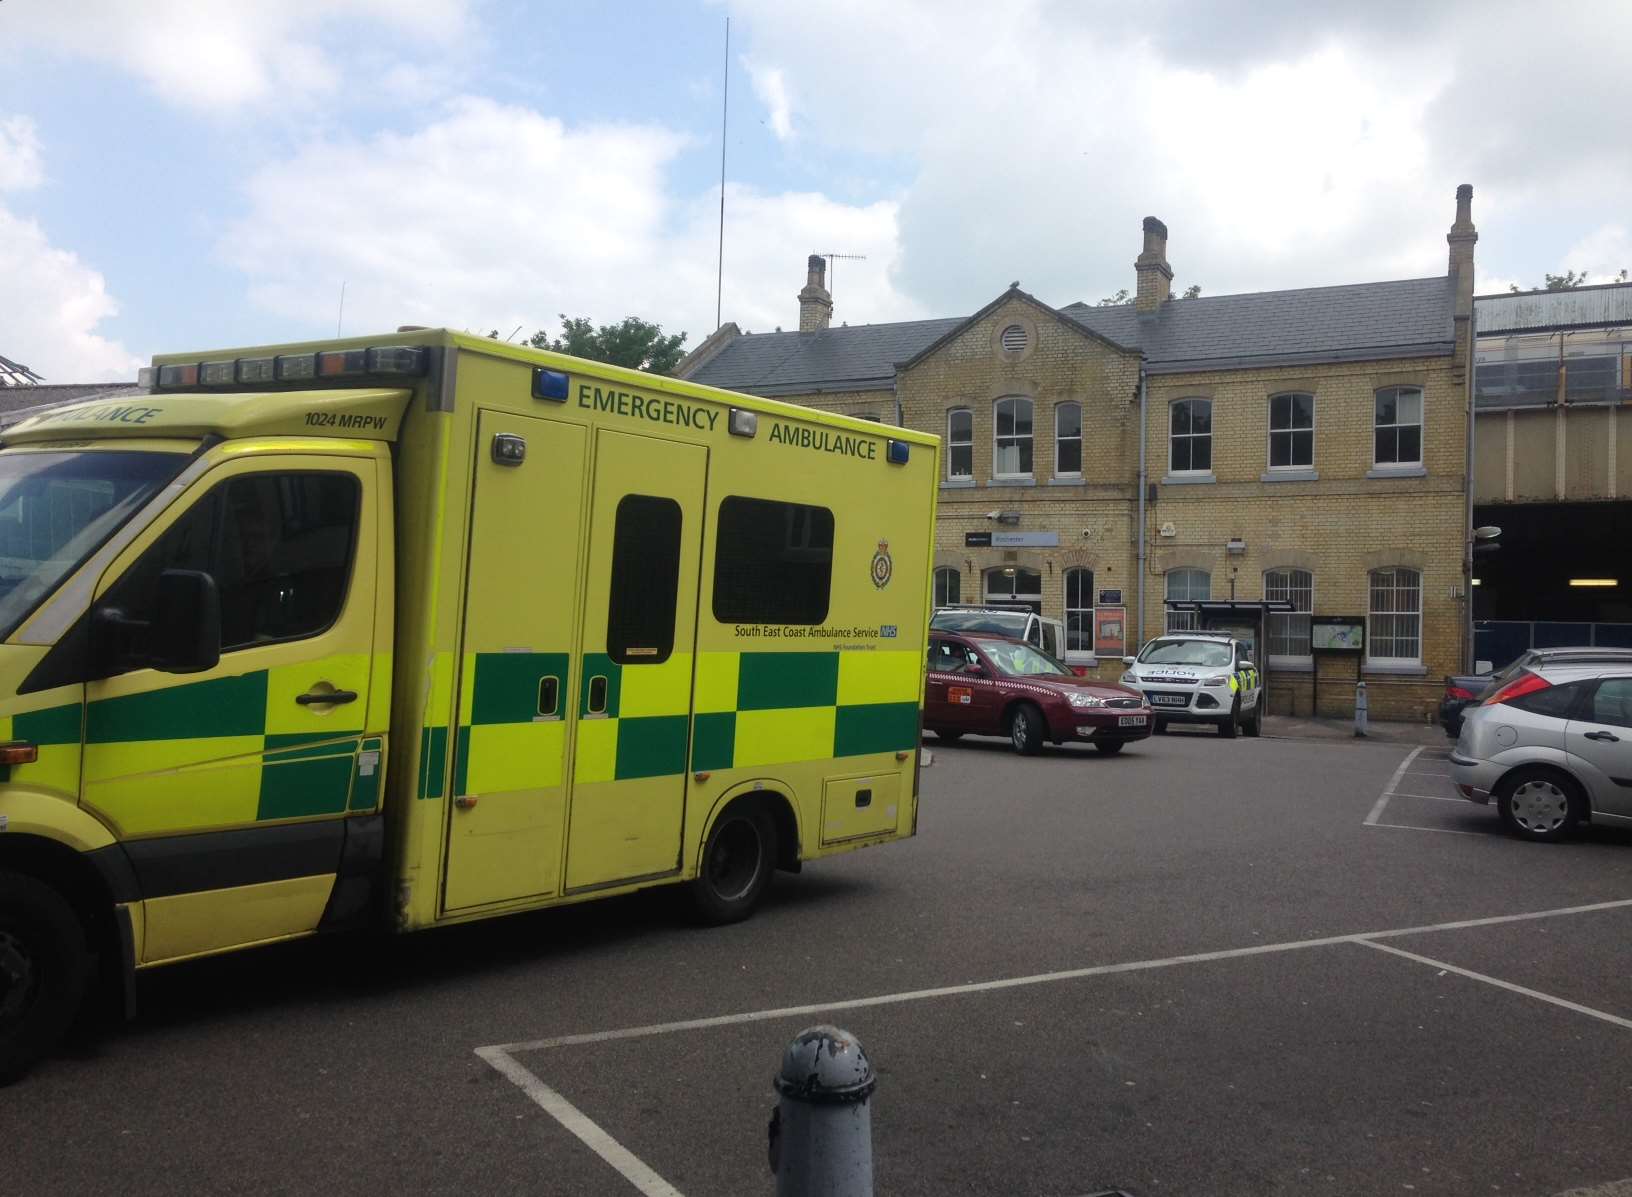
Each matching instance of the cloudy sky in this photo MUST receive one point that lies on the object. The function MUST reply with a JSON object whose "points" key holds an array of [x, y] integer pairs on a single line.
{"points": [[178, 174]]}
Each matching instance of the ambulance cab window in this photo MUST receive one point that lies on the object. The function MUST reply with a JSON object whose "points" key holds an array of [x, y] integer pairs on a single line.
{"points": [[773, 562], [645, 580], [278, 545]]}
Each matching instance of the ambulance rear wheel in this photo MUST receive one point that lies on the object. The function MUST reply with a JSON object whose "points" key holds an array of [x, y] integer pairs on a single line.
{"points": [[44, 970], [736, 867]]}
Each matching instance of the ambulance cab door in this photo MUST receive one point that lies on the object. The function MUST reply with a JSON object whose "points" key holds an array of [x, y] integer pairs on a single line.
{"points": [[639, 629], [521, 591], [230, 787]]}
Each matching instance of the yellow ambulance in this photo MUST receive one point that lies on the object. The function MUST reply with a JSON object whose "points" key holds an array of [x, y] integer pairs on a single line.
{"points": [[418, 629]]}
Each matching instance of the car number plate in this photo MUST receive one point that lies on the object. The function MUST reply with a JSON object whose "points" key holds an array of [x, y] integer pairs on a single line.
{"points": [[1169, 700], [1131, 721]]}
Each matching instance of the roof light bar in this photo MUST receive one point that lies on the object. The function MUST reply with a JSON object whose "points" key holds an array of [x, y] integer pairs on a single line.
{"points": [[217, 374], [179, 376], [296, 367], [342, 363], [257, 369], [396, 359], [147, 376]]}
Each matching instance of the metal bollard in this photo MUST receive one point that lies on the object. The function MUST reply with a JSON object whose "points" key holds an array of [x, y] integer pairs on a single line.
{"points": [[1360, 710], [821, 1131]]}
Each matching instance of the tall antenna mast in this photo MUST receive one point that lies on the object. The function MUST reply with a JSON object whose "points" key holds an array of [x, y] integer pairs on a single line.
{"points": [[833, 271], [725, 101]]}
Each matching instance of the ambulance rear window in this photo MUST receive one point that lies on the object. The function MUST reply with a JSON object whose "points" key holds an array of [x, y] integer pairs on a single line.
{"points": [[773, 562]]}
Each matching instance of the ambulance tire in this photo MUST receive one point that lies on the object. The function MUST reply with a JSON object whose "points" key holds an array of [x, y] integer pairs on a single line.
{"points": [[1254, 723], [1026, 729], [1231, 723], [44, 971], [737, 864]]}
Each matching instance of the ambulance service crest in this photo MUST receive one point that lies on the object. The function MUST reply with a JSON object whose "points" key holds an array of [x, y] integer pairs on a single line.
{"points": [[883, 568]]}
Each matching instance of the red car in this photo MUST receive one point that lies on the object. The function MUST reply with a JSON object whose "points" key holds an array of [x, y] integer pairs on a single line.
{"points": [[987, 685]]}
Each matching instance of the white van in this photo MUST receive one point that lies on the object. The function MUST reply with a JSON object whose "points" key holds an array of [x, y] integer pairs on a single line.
{"points": [[1015, 620]]}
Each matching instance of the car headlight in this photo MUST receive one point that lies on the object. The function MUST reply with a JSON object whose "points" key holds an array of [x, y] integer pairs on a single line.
{"points": [[1086, 700], [1216, 681]]}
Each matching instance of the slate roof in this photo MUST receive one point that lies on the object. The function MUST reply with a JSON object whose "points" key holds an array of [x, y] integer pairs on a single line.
{"points": [[1362, 321]]}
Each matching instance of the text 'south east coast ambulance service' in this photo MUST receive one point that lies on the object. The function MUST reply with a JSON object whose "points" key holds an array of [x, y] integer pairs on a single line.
{"points": [[421, 629]]}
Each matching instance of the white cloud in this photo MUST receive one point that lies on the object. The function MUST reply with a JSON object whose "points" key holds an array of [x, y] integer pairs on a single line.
{"points": [[771, 86], [50, 302], [494, 216], [226, 53], [1602, 253]]}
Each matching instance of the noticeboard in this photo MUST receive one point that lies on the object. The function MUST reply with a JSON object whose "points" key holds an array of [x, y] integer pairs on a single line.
{"points": [[1110, 631], [1337, 634]]}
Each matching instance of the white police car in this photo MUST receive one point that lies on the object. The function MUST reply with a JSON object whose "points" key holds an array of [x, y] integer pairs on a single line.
{"points": [[1199, 677]]}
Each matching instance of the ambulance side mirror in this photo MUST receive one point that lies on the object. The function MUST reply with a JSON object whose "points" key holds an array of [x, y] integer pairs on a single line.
{"points": [[186, 635]]}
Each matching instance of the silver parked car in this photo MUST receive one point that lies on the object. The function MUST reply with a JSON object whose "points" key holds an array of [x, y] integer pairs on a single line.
{"points": [[1553, 746]]}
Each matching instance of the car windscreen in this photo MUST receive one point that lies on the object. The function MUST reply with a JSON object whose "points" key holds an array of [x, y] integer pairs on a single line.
{"points": [[56, 508], [1205, 653], [1004, 623], [1022, 660]]}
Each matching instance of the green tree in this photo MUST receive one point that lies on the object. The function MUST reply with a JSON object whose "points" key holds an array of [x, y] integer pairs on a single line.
{"points": [[1568, 281], [631, 342], [1110, 301], [1193, 291]]}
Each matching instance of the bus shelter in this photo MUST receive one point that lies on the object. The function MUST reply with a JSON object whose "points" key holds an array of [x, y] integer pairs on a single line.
{"points": [[1245, 619]]}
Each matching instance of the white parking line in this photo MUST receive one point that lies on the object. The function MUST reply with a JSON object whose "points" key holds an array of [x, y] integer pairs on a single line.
{"points": [[1430, 797], [1435, 830], [502, 1056], [1589, 1011], [1388, 790]]}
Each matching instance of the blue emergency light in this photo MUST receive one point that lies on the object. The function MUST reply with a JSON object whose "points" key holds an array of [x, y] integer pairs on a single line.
{"points": [[549, 384], [897, 453]]}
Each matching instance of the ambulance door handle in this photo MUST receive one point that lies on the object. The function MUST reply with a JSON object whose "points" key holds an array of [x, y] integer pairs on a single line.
{"points": [[315, 698]]}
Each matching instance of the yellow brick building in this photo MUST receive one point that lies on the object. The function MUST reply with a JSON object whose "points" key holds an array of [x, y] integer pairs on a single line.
{"points": [[1305, 445]]}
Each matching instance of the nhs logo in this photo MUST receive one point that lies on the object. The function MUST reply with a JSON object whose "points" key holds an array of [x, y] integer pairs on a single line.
{"points": [[887, 632]]}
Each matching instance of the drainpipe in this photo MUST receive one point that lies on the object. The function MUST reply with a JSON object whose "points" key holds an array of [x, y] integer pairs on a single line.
{"points": [[1468, 651], [1143, 425]]}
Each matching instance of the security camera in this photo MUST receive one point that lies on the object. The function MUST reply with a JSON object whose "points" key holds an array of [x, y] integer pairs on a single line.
{"points": [[992, 515]]}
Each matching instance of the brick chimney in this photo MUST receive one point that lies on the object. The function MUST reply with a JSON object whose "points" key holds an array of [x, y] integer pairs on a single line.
{"points": [[815, 302], [1461, 239], [1155, 275]]}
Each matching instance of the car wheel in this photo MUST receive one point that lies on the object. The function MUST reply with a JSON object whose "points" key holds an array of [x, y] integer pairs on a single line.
{"points": [[1026, 729], [1254, 723], [44, 970], [1539, 804], [736, 867], [1231, 723], [1109, 747], [948, 737]]}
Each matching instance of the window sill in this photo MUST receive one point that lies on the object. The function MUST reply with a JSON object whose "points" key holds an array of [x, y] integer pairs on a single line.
{"points": [[1410, 471], [958, 484], [1289, 476], [1401, 670], [1188, 479], [1013, 480], [1070, 480]]}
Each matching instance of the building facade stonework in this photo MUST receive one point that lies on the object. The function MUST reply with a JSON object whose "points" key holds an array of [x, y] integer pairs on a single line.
{"points": [[1302, 445]]}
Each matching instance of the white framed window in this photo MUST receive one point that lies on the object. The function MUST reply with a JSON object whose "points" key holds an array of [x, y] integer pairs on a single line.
{"points": [[948, 586], [1011, 457], [1291, 431], [1288, 634], [1068, 440], [960, 443], [1190, 437], [1397, 427], [1187, 584], [1394, 617], [1079, 612], [1010, 584]]}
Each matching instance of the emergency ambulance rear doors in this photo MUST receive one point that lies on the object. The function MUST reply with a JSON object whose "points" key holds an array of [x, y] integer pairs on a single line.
{"points": [[575, 658]]}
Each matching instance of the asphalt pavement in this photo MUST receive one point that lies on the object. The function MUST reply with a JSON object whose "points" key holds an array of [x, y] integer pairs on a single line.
{"points": [[1200, 967]]}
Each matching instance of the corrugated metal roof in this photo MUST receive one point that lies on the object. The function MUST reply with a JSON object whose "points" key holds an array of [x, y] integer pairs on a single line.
{"points": [[17, 402], [1539, 311], [1410, 317]]}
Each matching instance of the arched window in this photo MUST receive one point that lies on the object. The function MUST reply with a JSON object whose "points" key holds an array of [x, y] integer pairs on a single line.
{"points": [[1079, 611], [1288, 635], [1068, 440], [948, 586], [1394, 625], [1012, 446], [1013, 585], [960, 443], [1190, 438], [1187, 584]]}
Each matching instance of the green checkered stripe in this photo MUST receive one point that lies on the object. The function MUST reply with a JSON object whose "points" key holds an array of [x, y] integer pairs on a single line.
{"points": [[302, 775], [648, 745], [772, 681], [505, 689]]}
